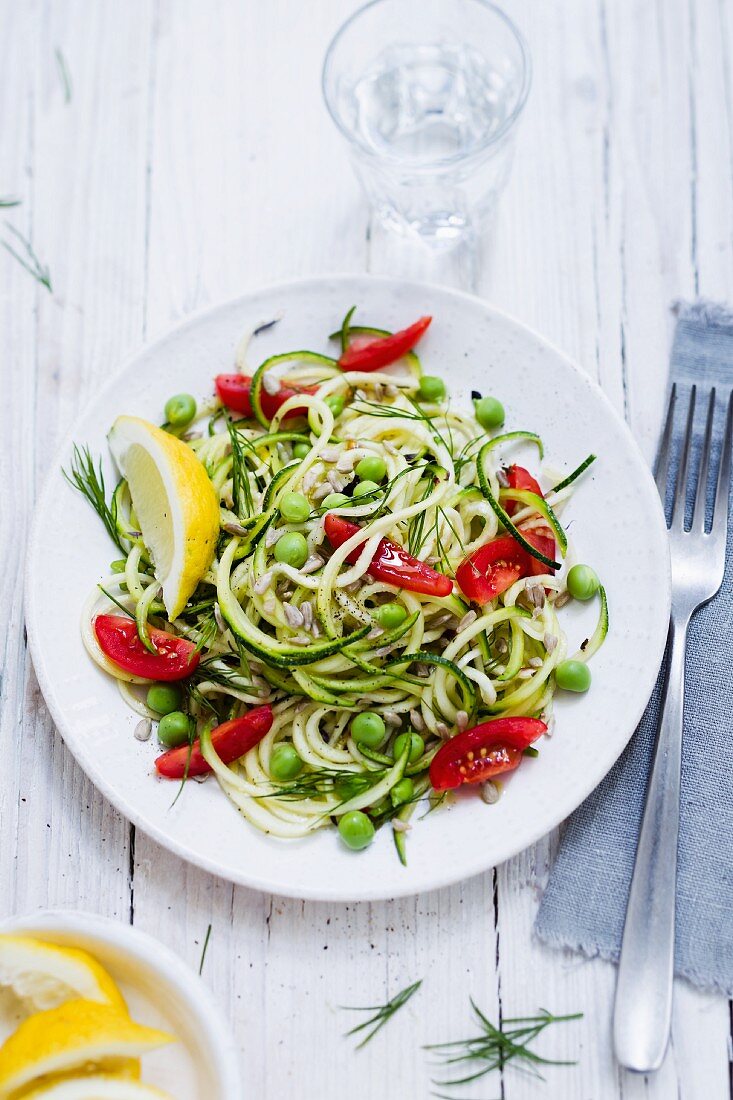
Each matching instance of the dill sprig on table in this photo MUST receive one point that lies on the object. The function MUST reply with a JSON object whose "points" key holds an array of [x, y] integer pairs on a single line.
{"points": [[64, 74], [382, 1013], [203, 953], [7, 201], [89, 480], [30, 261], [495, 1046]]}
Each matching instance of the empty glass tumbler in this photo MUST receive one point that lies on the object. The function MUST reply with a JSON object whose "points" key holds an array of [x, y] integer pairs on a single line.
{"points": [[428, 94]]}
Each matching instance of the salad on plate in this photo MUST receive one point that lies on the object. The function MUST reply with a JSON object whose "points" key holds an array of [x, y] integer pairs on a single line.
{"points": [[336, 591]]}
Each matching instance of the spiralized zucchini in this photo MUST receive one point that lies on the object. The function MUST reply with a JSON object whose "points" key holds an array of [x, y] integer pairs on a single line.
{"points": [[306, 639]]}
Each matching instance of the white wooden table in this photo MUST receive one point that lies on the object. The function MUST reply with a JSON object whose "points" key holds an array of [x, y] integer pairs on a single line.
{"points": [[194, 161]]}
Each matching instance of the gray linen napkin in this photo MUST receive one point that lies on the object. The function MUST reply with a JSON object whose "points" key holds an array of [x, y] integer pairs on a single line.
{"points": [[584, 904]]}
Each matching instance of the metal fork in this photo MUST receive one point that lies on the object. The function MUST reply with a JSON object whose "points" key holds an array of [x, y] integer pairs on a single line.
{"points": [[643, 1009]]}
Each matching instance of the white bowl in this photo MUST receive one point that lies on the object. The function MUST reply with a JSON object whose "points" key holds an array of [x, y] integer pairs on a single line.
{"points": [[161, 991]]}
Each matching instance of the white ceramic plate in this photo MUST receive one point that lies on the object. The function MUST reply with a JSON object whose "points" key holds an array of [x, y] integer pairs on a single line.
{"points": [[160, 990], [617, 526]]}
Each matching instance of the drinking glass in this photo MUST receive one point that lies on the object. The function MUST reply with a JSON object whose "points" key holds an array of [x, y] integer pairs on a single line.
{"points": [[428, 94]]}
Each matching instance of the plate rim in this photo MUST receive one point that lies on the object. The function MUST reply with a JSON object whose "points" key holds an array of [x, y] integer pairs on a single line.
{"points": [[165, 838]]}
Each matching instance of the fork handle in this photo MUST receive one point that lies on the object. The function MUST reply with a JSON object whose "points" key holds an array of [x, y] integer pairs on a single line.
{"points": [[643, 1008]]}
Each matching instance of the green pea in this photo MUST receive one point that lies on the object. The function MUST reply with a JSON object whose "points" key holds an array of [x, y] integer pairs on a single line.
{"points": [[335, 403], [402, 791], [572, 676], [118, 566], [364, 488], [489, 412], [431, 388], [294, 508], [173, 729], [371, 468], [390, 615], [164, 698], [582, 582], [300, 450], [346, 786], [334, 500], [285, 763], [180, 410], [292, 549], [356, 830], [368, 728], [417, 746]]}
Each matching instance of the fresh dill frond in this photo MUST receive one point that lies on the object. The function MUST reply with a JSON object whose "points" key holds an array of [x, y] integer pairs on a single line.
{"points": [[64, 73], [495, 1046], [241, 488], [115, 601], [415, 537], [205, 947], [89, 480], [30, 261], [326, 781], [9, 200], [382, 1013]]}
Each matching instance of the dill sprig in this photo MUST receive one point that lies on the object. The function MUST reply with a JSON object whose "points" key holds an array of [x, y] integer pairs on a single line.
{"points": [[494, 1046], [30, 261], [7, 201], [89, 480], [241, 488], [115, 601], [326, 781], [382, 1013], [388, 412], [205, 947], [64, 74]]}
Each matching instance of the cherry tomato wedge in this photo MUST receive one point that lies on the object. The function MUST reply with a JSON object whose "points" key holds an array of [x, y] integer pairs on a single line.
{"points": [[493, 568], [118, 640], [519, 478], [382, 350], [483, 751], [230, 740], [543, 540], [391, 563], [234, 392]]}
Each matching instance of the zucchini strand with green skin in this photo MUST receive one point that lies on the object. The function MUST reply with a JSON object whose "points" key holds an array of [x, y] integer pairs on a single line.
{"points": [[503, 516]]}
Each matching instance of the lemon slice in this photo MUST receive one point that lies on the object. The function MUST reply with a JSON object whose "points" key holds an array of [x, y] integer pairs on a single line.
{"points": [[174, 502], [68, 1038], [44, 975], [95, 1087]]}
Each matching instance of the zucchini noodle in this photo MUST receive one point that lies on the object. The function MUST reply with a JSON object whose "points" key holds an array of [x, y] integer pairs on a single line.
{"points": [[307, 638]]}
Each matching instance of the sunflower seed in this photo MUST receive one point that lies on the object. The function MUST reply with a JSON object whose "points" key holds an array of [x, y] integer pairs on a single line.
{"points": [[550, 643], [143, 729], [467, 619], [316, 630], [269, 605], [535, 662], [525, 674], [422, 669], [442, 731], [199, 778], [273, 534], [359, 395], [417, 720], [550, 726], [392, 718], [368, 578], [270, 384], [400, 826], [190, 436], [309, 479], [501, 645], [300, 639], [502, 478], [329, 455], [336, 482], [441, 620], [262, 583], [321, 491], [378, 391], [375, 632], [390, 447], [220, 619], [346, 463], [490, 792], [461, 720], [312, 565], [234, 529], [306, 611], [390, 390], [562, 599], [294, 617]]}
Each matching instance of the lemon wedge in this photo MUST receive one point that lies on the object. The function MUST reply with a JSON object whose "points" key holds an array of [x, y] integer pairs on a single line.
{"points": [[68, 1038], [95, 1087], [175, 505], [44, 975]]}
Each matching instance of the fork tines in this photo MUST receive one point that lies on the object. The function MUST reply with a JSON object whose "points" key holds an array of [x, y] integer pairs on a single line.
{"points": [[700, 465]]}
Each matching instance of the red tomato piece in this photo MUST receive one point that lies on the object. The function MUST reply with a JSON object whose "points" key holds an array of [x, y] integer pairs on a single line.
{"points": [[519, 478], [234, 392], [380, 351], [118, 639], [543, 540], [493, 568], [230, 740], [483, 752], [391, 563]]}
